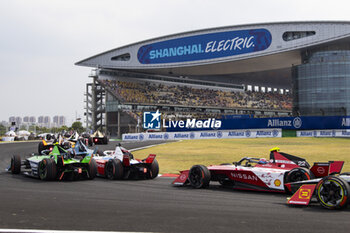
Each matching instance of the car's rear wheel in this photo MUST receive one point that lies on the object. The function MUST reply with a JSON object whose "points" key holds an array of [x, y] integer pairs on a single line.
{"points": [[154, 169], [47, 169], [114, 169], [199, 176], [92, 169], [298, 174], [333, 193], [15, 164]]}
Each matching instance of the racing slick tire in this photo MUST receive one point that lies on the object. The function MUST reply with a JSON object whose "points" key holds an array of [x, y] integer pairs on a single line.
{"points": [[333, 192], [15, 164], [41, 147], [47, 169], [105, 140], [199, 176], [114, 169], [154, 169], [298, 174], [90, 142], [92, 169]]}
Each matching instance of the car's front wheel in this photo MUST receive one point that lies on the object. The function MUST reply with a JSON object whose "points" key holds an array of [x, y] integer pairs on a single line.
{"points": [[199, 176], [333, 193], [15, 164], [41, 147]]}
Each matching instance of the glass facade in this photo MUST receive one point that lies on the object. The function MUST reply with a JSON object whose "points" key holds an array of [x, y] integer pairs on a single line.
{"points": [[321, 85], [288, 36]]}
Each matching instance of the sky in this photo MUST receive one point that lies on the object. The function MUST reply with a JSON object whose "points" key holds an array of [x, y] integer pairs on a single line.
{"points": [[40, 40]]}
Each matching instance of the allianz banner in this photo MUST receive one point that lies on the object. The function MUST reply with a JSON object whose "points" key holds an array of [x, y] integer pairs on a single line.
{"points": [[213, 134], [336, 133], [290, 123]]}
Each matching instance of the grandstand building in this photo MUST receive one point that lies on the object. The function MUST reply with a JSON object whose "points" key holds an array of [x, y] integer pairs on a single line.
{"points": [[270, 69]]}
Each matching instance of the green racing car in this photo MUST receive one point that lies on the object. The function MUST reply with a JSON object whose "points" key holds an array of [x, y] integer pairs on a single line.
{"points": [[57, 164]]}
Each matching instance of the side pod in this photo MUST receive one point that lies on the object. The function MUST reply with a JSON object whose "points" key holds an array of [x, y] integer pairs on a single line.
{"points": [[303, 195], [182, 179]]}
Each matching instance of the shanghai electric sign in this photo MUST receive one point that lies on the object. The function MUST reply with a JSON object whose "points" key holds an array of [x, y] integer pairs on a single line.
{"points": [[206, 46]]}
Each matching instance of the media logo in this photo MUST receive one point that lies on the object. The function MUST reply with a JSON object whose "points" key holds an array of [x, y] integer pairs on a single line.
{"points": [[151, 120]]}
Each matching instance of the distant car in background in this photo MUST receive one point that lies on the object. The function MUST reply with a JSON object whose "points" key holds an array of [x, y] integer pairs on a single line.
{"points": [[63, 141], [87, 139], [99, 138]]}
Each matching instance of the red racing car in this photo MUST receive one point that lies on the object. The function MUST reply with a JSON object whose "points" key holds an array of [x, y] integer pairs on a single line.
{"points": [[121, 164], [258, 174]]}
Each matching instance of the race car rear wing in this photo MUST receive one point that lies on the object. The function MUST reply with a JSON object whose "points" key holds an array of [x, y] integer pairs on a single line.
{"points": [[325, 169], [150, 158]]}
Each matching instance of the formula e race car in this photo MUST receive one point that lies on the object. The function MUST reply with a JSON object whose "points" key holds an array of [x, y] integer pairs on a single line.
{"points": [[86, 137], [56, 164], [332, 192], [64, 142], [99, 138], [256, 174], [121, 164]]}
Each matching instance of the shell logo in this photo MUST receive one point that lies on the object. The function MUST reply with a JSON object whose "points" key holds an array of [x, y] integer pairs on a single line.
{"points": [[277, 182]]}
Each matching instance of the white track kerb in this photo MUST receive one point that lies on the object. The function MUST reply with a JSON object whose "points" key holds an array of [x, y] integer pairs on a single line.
{"points": [[55, 231]]}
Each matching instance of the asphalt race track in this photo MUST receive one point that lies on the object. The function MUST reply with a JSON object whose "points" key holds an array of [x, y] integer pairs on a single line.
{"points": [[149, 205]]}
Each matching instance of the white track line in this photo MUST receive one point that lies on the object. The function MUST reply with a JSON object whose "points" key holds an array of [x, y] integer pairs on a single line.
{"points": [[145, 147], [56, 231]]}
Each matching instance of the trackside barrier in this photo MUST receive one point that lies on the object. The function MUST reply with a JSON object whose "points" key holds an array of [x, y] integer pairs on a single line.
{"points": [[332, 133], [8, 139], [218, 134]]}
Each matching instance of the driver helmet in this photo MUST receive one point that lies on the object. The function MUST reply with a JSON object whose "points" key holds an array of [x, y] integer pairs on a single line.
{"points": [[262, 161]]}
